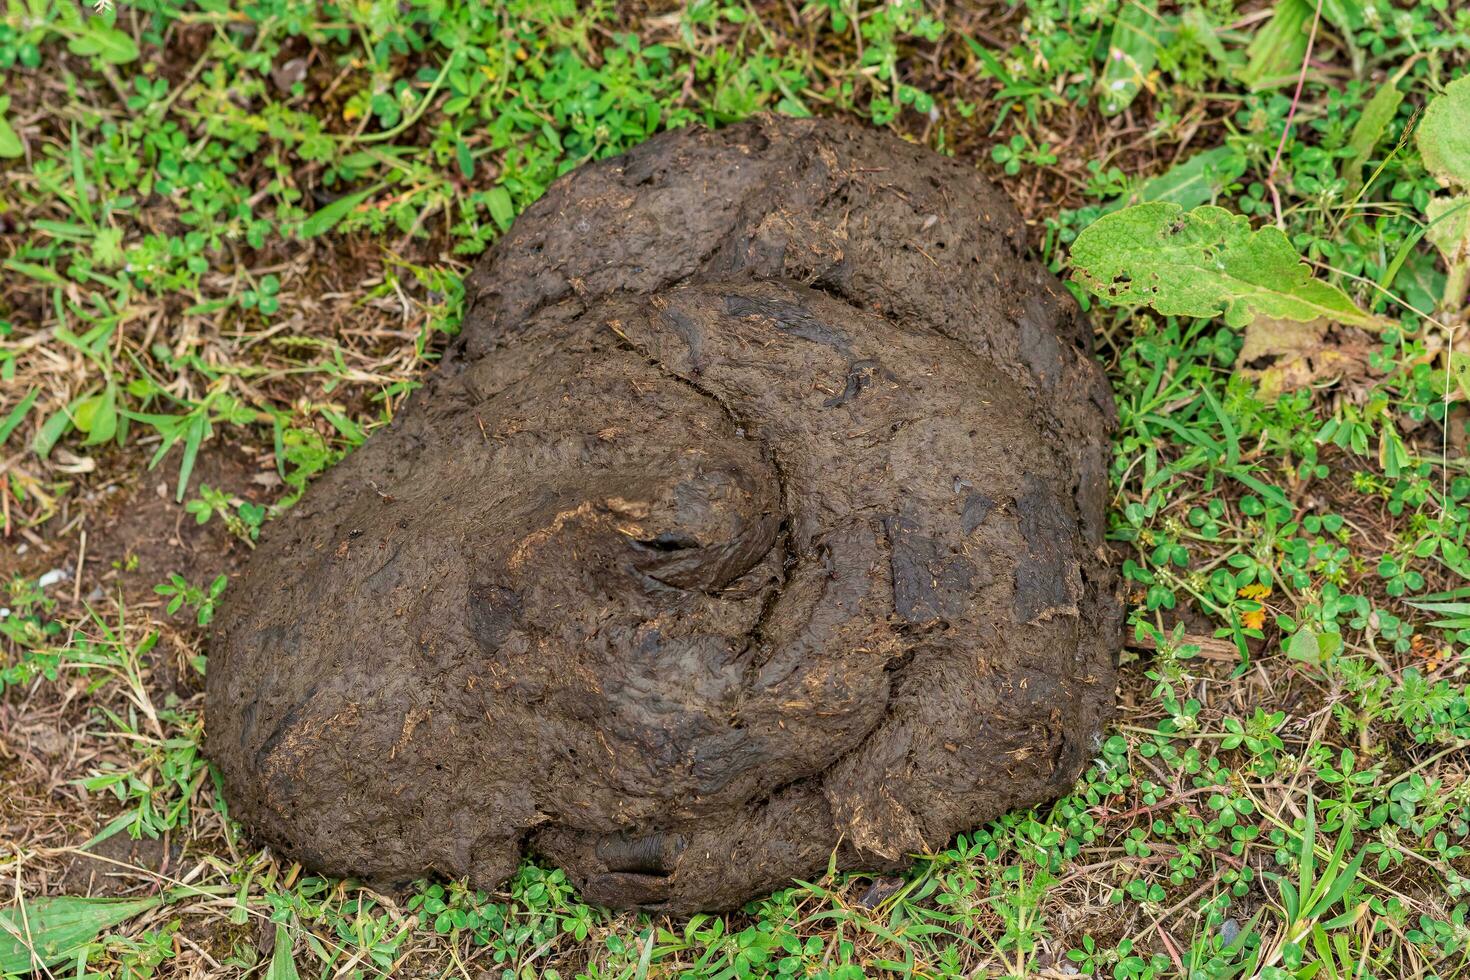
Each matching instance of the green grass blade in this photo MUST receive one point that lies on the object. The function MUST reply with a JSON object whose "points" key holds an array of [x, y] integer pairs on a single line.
{"points": [[1308, 851], [17, 415], [1344, 881], [282, 967], [324, 220]]}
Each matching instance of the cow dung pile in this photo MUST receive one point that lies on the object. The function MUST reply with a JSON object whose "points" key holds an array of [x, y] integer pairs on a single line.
{"points": [[754, 520]]}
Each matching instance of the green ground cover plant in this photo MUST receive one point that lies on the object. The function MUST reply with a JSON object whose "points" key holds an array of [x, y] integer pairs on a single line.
{"points": [[233, 238]]}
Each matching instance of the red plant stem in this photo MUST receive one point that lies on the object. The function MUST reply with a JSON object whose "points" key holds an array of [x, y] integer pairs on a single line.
{"points": [[1296, 100]]}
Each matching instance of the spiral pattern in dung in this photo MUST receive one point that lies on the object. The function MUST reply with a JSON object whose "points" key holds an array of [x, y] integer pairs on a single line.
{"points": [[755, 517]]}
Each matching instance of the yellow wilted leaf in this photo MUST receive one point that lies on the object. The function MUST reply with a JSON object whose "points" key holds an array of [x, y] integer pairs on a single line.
{"points": [[1254, 619]]}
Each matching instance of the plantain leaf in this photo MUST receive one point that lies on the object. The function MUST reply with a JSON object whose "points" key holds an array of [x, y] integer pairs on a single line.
{"points": [[502, 209], [1274, 57], [1196, 180], [54, 929], [1449, 226], [1133, 52], [100, 412], [1460, 372], [465, 158], [324, 220], [1372, 124], [282, 966], [1444, 134], [1205, 263]]}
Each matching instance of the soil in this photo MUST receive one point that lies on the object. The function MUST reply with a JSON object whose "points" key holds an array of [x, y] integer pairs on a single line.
{"points": [[111, 868], [139, 534], [756, 516]]}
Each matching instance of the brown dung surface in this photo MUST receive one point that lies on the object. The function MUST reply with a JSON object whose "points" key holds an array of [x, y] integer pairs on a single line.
{"points": [[756, 515]]}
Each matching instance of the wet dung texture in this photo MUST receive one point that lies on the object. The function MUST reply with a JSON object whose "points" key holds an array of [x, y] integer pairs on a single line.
{"points": [[755, 515]]}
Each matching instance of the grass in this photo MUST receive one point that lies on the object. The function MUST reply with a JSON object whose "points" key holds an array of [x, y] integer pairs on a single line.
{"points": [[233, 237]]}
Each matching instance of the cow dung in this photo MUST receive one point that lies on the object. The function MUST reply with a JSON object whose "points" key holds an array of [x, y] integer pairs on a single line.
{"points": [[754, 521]]}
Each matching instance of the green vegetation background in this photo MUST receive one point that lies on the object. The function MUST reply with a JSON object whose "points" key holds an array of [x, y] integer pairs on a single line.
{"points": [[239, 229]]}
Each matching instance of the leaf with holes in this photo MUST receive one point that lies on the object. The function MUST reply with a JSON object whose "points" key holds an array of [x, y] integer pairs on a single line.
{"points": [[1204, 263]]}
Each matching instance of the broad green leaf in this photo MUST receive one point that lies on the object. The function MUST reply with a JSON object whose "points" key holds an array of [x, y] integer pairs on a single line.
{"points": [[198, 430], [1343, 880], [1366, 135], [81, 415], [54, 929], [1444, 134], [108, 43], [501, 207], [1449, 226], [1274, 57], [1204, 263], [1132, 54], [10, 141], [282, 967], [1197, 180], [53, 429], [1307, 856], [97, 416], [1290, 899], [1460, 371], [465, 159], [1309, 646], [326, 219]]}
